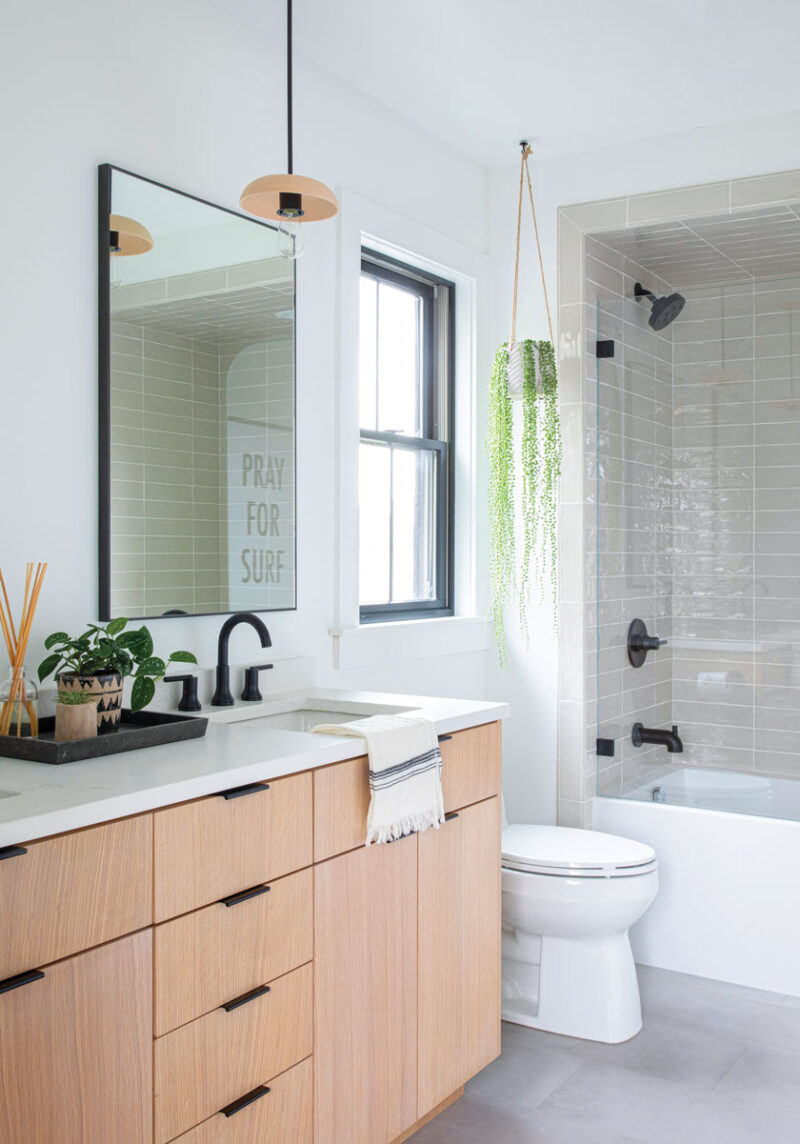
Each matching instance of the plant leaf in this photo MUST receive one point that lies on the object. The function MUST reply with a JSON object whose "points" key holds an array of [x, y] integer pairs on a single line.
{"points": [[153, 665], [48, 665], [116, 626], [183, 657], [56, 637], [143, 691]]}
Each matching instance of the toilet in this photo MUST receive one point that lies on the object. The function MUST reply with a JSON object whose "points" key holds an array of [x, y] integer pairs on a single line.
{"points": [[569, 898]]}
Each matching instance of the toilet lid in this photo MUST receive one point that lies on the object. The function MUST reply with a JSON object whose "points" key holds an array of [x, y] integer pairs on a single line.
{"points": [[566, 851]]}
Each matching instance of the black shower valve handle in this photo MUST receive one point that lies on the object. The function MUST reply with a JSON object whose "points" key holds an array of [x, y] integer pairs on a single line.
{"points": [[640, 643]]}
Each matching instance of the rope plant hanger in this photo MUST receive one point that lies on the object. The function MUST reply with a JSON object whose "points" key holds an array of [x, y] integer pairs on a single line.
{"points": [[523, 370]]}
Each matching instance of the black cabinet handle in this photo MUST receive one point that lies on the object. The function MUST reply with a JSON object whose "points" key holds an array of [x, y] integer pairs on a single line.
{"points": [[445, 738], [243, 1101], [21, 979], [12, 851], [229, 1006], [450, 817], [241, 791], [244, 896]]}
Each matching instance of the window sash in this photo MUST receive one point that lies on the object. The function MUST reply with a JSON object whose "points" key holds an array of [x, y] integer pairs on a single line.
{"points": [[439, 604]]}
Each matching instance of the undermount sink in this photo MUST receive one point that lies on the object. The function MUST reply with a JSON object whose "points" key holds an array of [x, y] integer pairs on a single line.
{"points": [[301, 713]]}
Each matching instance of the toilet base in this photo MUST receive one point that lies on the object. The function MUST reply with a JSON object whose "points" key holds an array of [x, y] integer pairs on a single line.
{"points": [[584, 988]]}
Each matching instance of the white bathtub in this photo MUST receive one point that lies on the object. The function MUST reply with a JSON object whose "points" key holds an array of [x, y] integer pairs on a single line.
{"points": [[729, 872]]}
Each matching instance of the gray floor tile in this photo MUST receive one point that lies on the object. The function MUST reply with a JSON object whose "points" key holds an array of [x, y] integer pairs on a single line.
{"points": [[761, 1070], [526, 1073], [714, 1064]]}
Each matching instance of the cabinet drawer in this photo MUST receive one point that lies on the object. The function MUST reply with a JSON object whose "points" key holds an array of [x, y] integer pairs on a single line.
{"points": [[204, 958], [471, 766], [471, 763], [283, 1114], [211, 1062], [73, 892], [214, 847]]}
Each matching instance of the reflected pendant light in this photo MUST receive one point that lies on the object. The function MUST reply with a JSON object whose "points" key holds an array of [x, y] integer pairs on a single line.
{"points": [[289, 199], [126, 237]]}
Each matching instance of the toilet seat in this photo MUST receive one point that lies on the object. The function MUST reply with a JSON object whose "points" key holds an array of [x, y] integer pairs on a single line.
{"points": [[564, 851]]}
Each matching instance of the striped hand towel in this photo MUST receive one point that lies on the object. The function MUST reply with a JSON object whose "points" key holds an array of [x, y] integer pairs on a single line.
{"points": [[405, 773]]}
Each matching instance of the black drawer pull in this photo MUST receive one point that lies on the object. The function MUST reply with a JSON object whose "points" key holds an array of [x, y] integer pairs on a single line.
{"points": [[12, 852], [229, 1006], [243, 1101], [21, 979], [241, 791], [244, 896], [450, 817], [445, 738]]}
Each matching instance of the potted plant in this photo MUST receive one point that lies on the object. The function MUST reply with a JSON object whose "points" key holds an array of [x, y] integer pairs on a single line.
{"points": [[98, 661], [76, 716]]}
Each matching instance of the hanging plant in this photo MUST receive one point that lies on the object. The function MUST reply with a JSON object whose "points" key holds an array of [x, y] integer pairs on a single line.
{"points": [[540, 465], [541, 468], [525, 369], [500, 447]]}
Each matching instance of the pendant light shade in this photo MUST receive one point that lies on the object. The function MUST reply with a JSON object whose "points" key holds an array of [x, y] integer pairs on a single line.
{"points": [[264, 196], [289, 199], [127, 236]]}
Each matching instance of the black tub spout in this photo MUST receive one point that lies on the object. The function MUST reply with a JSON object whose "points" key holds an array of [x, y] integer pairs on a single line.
{"points": [[669, 739]]}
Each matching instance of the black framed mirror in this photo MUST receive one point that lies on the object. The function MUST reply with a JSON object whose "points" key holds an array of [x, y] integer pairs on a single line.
{"points": [[197, 406]]}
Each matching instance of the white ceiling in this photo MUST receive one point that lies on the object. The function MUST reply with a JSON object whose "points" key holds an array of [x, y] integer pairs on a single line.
{"points": [[571, 75]]}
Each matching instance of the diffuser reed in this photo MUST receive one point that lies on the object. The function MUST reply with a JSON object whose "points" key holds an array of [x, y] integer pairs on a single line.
{"points": [[17, 644]]}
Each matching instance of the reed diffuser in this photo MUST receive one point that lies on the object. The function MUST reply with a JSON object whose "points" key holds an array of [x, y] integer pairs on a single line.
{"points": [[19, 694]]}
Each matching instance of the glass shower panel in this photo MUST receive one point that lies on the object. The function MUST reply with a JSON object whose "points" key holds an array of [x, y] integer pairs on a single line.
{"points": [[633, 526]]}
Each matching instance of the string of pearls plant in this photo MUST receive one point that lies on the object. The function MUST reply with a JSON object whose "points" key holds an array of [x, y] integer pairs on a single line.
{"points": [[540, 464]]}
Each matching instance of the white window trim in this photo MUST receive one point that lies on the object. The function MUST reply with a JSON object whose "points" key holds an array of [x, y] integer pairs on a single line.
{"points": [[364, 223]]}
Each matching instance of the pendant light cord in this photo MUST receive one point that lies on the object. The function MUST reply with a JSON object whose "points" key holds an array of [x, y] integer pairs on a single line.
{"points": [[524, 172], [289, 125]]}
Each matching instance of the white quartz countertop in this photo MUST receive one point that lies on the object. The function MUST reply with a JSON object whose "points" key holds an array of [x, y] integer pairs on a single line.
{"points": [[38, 799]]}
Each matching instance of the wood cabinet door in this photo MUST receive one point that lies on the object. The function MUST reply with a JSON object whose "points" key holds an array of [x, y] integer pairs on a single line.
{"points": [[76, 1049], [458, 1018], [365, 994]]}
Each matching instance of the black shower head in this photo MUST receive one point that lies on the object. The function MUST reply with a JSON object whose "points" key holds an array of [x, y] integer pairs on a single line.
{"points": [[664, 310]]}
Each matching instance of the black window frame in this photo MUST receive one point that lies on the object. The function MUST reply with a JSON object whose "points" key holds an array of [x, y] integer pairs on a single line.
{"points": [[438, 425]]}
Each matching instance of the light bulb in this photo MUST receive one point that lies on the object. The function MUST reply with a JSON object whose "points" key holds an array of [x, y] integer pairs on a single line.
{"points": [[291, 239], [115, 270]]}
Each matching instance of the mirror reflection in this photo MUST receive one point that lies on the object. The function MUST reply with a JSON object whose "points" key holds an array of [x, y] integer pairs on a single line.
{"points": [[199, 444]]}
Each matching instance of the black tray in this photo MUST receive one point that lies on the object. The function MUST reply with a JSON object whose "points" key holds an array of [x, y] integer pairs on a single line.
{"points": [[143, 729]]}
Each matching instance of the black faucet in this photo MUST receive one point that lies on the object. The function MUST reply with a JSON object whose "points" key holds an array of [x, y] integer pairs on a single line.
{"points": [[222, 696], [669, 739]]}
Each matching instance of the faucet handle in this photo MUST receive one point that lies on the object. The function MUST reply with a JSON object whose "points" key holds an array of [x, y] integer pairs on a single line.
{"points": [[189, 700], [251, 693]]}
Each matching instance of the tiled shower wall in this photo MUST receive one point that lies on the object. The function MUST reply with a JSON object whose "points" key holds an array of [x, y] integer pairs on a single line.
{"points": [[737, 532], [697, 523], [748, 466], [169, 550]]}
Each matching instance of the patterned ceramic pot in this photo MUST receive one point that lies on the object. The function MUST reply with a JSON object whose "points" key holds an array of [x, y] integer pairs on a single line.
{"points": [[107, 686]]}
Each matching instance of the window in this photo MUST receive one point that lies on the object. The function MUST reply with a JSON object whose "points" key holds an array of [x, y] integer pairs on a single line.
{"points": [[406, 447]]}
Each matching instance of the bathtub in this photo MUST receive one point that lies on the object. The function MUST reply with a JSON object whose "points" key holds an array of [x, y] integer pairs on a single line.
{"points": [[728, 847]]}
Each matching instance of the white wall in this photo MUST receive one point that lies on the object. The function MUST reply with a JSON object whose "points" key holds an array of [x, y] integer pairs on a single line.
{"points": [[190, 97]]}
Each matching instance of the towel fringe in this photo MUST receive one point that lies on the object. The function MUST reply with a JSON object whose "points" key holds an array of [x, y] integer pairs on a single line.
{"points": [[409, 824]]}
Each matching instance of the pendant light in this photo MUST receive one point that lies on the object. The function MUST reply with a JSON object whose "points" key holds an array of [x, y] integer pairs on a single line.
{"points": [[289, 199]]}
